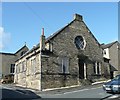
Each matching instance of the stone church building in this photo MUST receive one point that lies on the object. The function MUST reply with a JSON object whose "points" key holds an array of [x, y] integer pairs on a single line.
{"points": [[69, 57]]}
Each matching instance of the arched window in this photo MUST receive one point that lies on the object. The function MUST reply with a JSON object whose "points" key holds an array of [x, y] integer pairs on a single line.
{"points": [[80, 42]]}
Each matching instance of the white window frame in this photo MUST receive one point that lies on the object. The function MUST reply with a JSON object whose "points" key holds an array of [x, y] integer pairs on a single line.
{"points": [[97, 65], [16, 68], [23, 66], [33, 65], [65, 65], [83, 43], [20, 67]]}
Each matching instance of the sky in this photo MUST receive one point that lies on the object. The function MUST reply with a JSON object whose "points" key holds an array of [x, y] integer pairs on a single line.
{"points": [[22, 21]]}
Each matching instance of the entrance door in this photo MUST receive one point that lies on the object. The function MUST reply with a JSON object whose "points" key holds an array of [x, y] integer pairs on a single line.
{"points": [[111, 75], [81, 69]]}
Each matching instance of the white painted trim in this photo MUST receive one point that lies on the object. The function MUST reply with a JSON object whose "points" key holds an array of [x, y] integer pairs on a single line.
{"points": [[85, 71], [100, 68], [44, 56], [96, 67], [100, 82]]}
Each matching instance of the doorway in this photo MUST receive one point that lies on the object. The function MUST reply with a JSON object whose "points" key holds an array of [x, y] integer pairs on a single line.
{"points": [[81, 69]]}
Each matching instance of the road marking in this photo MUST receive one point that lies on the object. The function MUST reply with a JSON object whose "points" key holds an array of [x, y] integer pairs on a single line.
{"points": [[110, 97], [114, 96]]}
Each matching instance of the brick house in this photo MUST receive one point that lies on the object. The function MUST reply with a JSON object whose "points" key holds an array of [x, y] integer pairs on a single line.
{"points": [[8, 61], [111, 55], [69, 57]]}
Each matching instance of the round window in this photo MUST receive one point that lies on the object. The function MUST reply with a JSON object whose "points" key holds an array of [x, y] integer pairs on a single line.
{"points": [[80, 42]]}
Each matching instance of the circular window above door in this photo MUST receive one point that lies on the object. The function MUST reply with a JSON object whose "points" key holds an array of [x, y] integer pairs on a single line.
{"points": [[80, 42]]}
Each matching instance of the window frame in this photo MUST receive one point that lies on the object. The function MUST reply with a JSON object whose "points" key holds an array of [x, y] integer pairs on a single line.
{"points": [[64, 65], [78, 43], [97, 68], [33, 65], [12, 68]]}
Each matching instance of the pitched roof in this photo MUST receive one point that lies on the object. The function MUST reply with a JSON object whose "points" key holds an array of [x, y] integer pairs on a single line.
{"points": [[29, 51], [7, 53], [56, 33], [108, 45], [21, 49]]}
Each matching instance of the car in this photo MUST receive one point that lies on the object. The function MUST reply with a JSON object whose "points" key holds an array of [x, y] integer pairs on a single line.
{"points": [[113, 86], [7, 79]]}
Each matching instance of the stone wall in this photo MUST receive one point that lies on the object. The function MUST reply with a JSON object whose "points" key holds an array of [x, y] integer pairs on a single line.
{"points": [[63, 46], [48, 72], [30, 75]]}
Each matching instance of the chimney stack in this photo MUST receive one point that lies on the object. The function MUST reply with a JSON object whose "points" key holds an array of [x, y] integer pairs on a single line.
{"points": [[78, 17], [42, 41]]}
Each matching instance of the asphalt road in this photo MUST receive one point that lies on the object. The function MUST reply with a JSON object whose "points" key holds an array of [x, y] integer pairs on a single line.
{"points": [[15, 94], [93, 92], [96, 92]]}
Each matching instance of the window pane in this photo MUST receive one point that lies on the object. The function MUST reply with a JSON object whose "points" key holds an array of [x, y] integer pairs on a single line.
{"points": [[79, 42], [12, 68], [65, 65], [94, 67], [98, 69]]}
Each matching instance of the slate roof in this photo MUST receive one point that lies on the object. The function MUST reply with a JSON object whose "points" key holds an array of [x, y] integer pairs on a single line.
{"points": [[108, 45], [21, 49], [55, 34], [7, 53]]}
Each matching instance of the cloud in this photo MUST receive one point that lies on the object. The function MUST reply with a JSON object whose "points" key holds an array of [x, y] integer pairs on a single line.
{"points": [[4, 38]]}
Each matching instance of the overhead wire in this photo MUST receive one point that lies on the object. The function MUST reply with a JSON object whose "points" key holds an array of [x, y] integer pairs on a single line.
{"points": [[37, 15]]}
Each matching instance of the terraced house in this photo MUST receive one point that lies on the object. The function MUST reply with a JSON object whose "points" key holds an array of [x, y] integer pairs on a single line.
{"points": [[8, 61], [69, 57], [111, 54]]}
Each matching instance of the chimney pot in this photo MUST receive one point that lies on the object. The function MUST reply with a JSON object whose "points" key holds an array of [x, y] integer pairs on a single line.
{"points": [[43, 31]]}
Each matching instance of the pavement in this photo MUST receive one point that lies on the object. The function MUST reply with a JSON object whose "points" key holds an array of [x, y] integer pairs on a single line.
{"points": [[53, 91]]}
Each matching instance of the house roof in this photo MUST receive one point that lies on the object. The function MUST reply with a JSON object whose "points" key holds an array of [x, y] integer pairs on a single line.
{"points": [[21, 49], [7, 53], [13, 53], [34, 48], [112, 68], [108, 45], [55, 34]]}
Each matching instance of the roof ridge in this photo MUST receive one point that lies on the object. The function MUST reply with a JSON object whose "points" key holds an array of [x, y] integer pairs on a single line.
{"points": [[20, 49], [7, 53], [108, 45], [57, 32]]}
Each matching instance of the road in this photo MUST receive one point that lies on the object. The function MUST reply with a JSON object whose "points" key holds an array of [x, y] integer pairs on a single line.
{"points": [[88, 92], [14, 94], [96, 92]]}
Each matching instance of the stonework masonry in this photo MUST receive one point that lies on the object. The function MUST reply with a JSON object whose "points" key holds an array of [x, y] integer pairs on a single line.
{"points": [[61, 63]]}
